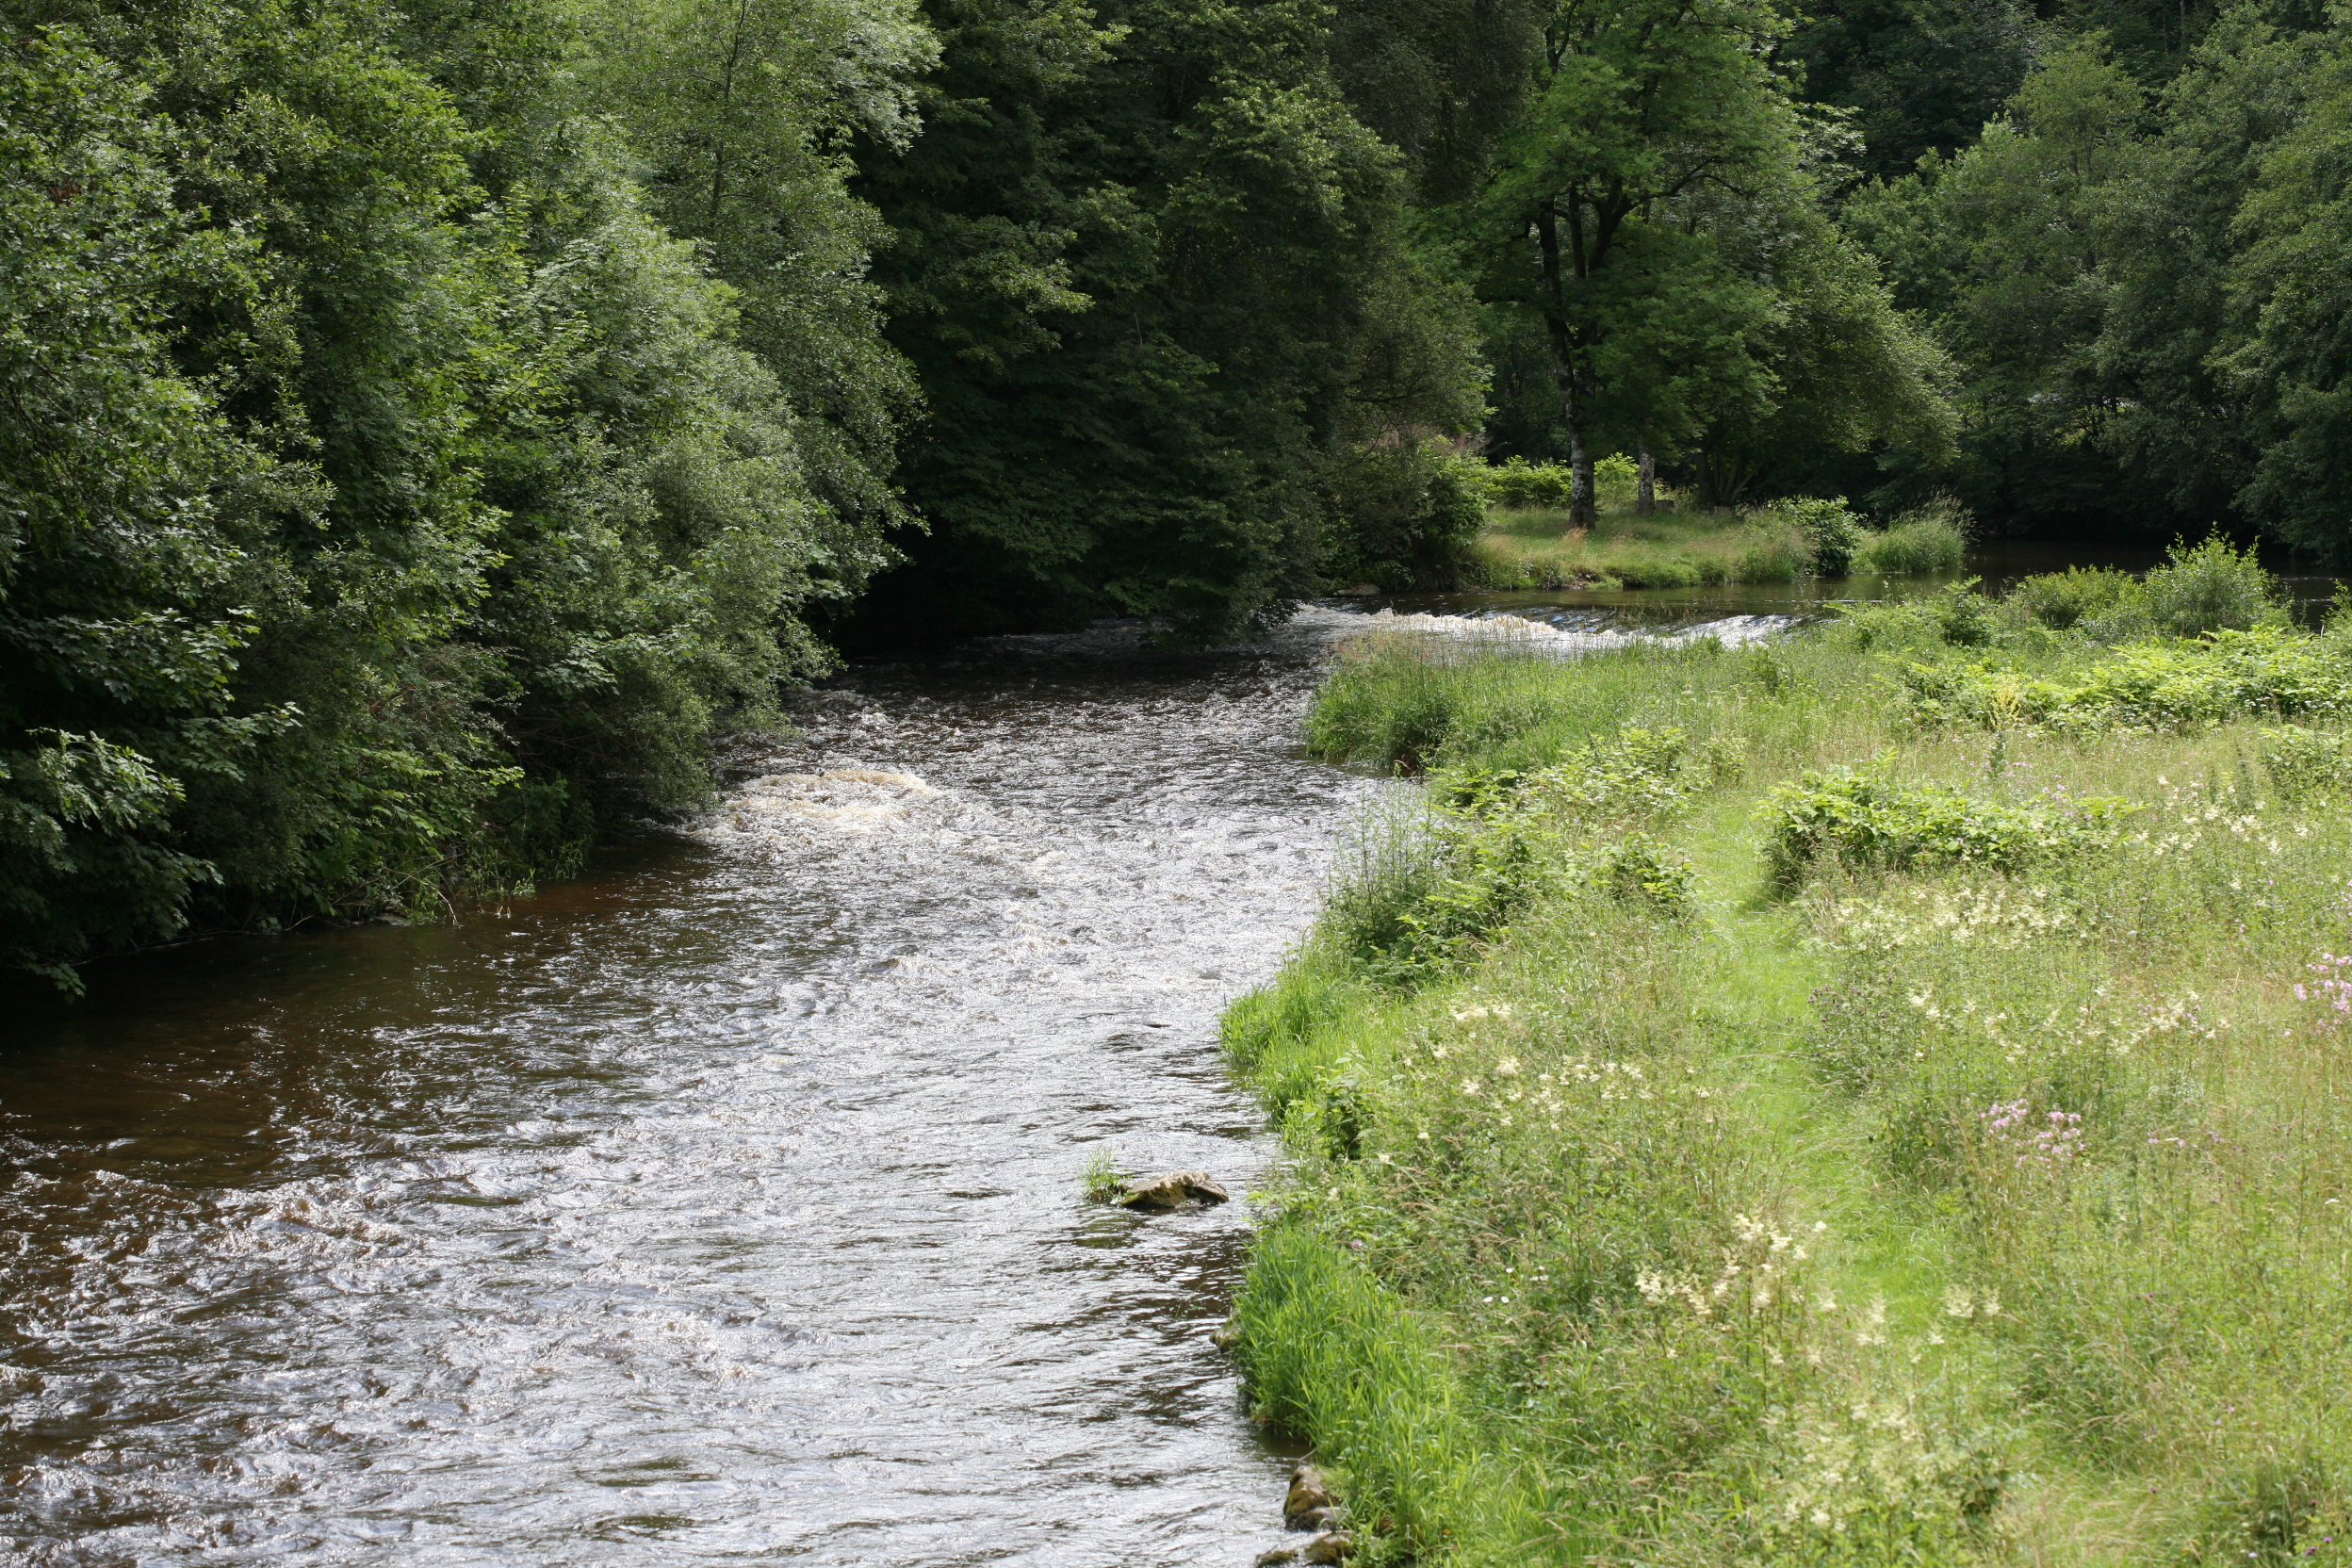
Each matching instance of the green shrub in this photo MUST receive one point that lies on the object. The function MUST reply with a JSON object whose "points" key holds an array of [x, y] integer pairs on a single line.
{"points": [[1519, 482], [1647, 872], [1865, 821], [1616, 482], [2209, 587], [1831, 531], [2064, 600], [1962, 616], [2306, 765], [2271, 670]]}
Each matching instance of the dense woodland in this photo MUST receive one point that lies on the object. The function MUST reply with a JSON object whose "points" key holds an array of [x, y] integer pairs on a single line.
{"points": [[430, 425]]}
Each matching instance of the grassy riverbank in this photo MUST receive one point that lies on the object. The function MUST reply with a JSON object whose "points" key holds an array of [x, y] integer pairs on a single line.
{"points": [[1875, 1098], [1533, 547]]}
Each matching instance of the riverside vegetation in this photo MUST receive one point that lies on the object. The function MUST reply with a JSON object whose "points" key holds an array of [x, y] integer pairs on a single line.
{"points": [[1528, 540], [1874, 1098], [431, 429]]}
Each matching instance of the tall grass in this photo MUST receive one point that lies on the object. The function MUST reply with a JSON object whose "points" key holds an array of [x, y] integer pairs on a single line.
{"points": [[1532, 548], [1929, 539], [1981, 1196]]}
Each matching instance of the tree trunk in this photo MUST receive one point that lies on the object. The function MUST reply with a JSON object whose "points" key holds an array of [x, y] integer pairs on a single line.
{"points": [[1645, 494], [1582, 506], [1580, 509]]}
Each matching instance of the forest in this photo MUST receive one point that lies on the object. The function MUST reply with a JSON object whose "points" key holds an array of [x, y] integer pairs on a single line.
{"points": [[432, 428]]}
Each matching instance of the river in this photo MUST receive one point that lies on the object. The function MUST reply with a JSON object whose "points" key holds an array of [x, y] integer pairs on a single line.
{"points": [[722, 1204]]}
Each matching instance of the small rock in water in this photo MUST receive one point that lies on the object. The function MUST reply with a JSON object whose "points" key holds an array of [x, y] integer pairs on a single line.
{"points": [[1330, 1547], [1276, 1558], [1309, 1495], [1179, 1189], [1226, 1334]]}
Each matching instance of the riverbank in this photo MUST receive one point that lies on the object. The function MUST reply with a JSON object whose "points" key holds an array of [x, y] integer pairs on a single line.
{"points": [[1873, 1099], [1533, 546]]}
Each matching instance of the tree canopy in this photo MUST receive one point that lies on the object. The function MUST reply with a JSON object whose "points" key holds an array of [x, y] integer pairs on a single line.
{"points": [[430, 426]]}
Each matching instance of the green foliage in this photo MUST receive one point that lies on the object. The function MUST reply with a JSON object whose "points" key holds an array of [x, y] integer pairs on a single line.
{"points": [[2209, 587], [1155, 283], [1832, 533], [2270, 672], [2306, 765], [2133, 267], [1519, 482], [1651, 218], [1106, 1178], [398, 497], [1862, 820], [2061, 601], [1404, 516], [1930, 538]]}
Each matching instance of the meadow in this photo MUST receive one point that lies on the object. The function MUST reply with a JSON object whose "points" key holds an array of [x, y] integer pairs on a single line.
{"points": [[1528, 540], [1875, 1098]]}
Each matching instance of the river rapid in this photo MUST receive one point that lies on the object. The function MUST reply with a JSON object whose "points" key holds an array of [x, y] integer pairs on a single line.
{"points": [[722, 1204]]}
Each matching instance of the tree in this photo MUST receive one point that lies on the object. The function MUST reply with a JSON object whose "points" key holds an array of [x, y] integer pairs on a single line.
{"points": [[1154, 276], [1653, 210]]}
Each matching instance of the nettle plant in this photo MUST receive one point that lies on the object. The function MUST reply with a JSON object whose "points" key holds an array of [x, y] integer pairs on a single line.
{"points": [[1862, 820]]}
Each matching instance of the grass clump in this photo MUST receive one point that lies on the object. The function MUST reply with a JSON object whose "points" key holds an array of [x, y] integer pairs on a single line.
{"points": [[1931, 539], [1534, 547], [1106, 1178], [1741, 1116]]}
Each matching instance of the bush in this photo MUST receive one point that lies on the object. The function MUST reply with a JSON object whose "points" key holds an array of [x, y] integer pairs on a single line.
{"points": [[1519, 482], [2062, 600], [1408, 514], [2306, 763], [1831, 531], [1865, 822], [2209, 587], [2272, 671], [1616, 483], [1963, 616]]}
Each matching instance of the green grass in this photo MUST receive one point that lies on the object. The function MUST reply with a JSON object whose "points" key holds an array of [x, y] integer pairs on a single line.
{"points": [[1533, 547], [1529, 548], [1916, 548], [1871, 1208]]}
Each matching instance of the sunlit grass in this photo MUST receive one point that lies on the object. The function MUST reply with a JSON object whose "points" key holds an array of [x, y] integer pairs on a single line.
{"points": [[2067, 1152], [1533, 547]]}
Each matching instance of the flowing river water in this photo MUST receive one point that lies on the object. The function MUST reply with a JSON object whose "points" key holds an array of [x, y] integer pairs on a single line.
{"points": [[722, 1204]]}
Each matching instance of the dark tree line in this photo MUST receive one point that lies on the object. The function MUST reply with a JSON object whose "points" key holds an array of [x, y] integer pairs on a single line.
{"points": [[429, 424]]}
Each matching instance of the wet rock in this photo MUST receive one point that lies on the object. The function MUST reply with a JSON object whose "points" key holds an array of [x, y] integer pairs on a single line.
{"points": [[1318, 1519], [1274, 1558], [1178, 1189], [1309, 1495], [1330, 1547], [1226, 1334]]}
